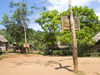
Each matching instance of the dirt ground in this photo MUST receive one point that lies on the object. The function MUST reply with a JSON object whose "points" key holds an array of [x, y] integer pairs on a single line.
{"points": [[48, 65]]}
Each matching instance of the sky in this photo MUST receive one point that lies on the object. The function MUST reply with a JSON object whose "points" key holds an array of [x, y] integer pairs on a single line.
{"points": [[60, 5]]}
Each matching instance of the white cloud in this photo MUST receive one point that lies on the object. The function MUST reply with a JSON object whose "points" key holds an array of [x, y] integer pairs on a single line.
{"points": [[62, 5], [35, 26], [98, 14], [98, 0]]}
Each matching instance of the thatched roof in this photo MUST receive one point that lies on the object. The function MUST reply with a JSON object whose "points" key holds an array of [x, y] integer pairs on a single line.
{"points": [[97, 37], [2, 39], [59, 46]]}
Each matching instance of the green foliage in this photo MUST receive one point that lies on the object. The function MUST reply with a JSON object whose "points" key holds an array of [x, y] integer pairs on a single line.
{"points": [[83, 48], [80, 73], [7, 36], [14, 49], [89, 24], [2, 32], [66, 37], [49, 21], [48, 52], [92, 41], [15, 25]]}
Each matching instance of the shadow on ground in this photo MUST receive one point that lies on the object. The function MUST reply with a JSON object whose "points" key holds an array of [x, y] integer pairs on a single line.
{"points": [[45, 63], [64, 67]]}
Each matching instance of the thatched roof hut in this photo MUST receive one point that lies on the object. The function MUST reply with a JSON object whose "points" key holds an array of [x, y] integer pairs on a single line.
{"points": [[58, 46], [3, 43], [3, 39], [97, 37], [97, 43]]}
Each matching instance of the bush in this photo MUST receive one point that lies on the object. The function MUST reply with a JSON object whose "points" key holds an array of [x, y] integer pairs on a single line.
{"points": [[83, 48], [14, 49], [48, 52], [96, 53]]}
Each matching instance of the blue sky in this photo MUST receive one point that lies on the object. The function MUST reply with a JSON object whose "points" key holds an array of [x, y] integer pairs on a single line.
{"points": [[60, 5]]}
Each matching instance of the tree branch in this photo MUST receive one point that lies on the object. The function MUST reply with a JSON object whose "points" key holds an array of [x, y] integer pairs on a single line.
{"points": [[44, 1]]}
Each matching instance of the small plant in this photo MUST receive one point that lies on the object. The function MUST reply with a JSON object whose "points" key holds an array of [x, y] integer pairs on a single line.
{"points": [[39, 52], [48, 52], [79, 73]]}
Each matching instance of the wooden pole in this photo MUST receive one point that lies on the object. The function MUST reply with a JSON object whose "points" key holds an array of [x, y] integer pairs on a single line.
{"points": [[75, 53], [25, 35], [25, 38]]}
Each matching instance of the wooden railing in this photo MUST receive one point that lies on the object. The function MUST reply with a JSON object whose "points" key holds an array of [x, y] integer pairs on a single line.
{"points": [[91, 54]]}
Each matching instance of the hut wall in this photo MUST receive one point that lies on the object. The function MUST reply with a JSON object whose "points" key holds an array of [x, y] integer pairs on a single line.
{"points": [[2, 46], [96, 46]]}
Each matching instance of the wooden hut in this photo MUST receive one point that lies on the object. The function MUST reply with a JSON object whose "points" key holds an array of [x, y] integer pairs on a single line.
{"points": [[60, 47], [97, 43], [3, 43], [57, 47], [96, 46]]}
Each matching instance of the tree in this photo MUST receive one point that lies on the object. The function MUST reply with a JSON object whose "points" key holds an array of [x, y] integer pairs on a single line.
{"points": [[16, 24], [50, 23], [35, 39], [89, 24], [2, 32]]}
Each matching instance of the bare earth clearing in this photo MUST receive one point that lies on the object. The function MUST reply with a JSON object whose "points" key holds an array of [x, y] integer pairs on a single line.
{"points": [[47, 65]]}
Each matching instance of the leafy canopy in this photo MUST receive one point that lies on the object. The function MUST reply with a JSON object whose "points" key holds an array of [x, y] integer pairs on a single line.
{"points": [[50, 23], [88, 23]]}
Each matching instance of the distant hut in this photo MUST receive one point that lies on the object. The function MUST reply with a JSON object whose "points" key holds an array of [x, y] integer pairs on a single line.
{"points": [[97, 43], [3, 43], [58, 46], [96, 46]]}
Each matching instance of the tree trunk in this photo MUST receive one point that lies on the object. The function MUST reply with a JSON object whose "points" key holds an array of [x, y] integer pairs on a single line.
{"points": [[25, 35], [28, 51], [51, 50], [57, 51], [25, 39], [75, 59]]}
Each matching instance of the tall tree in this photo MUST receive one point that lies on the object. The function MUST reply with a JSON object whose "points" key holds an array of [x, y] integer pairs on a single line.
{"points": [[16, 24], [50, 23], [89, 24]]}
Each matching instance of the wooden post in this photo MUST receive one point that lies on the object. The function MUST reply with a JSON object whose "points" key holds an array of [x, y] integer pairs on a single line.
{"points": [[75, 59], [51, 50], [26, 50], [25, 35]]}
